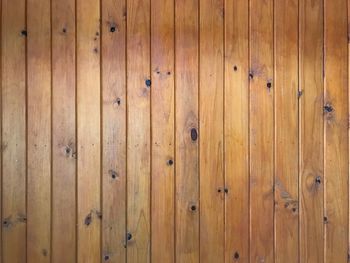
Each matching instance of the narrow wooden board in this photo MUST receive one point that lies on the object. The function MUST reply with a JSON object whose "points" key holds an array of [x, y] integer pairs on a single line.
{"points": [[212, 237], [236, 131], [139, 135], [311, 130], [88, 131], [63, 132], [286, 131], [39, 131], [187, 133], [114, 130], [261, 131], [162, 111], [13, 65], [336, 123]]}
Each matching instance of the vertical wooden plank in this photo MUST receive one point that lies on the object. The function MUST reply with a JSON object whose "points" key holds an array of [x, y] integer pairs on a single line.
{"points": [[88, 130], [187, 134], [114, 130], [211, 130], [236, 130], [39, 131], [139, 136], [261, 131], [162, 111], [336, 123], [63, 132], [286, 131], [13, 65], [311, 130]]}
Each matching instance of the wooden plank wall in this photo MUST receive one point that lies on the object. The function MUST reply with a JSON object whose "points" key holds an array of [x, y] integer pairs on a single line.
{"points": [[174, 131]]}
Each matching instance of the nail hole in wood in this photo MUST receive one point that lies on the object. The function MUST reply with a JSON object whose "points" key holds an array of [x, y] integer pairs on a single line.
{"points": [[235, 68], [112, 29], [64, 30], [300, 93], [318, 180], [96, 50], [113, 174], [194, 134], [168, 72], [236, 255], [24, 33], [170, 162], [148, 82], [106, 257], [193, 208], [251, 76], [44, 252], [226, 190], [219, 190], [128, 236], [269, 85], [325, 220]]}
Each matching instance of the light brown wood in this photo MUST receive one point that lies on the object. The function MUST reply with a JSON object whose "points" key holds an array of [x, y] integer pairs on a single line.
{"points": [[261, 131], [286, 131], [187, 132], [13, 143], [113, 69], [211, 74], [311, 131], [174, 131], [139, 132], [336, 121], [88, 131], [39, 131], [63, 132], [162, 112], [236, 131]]}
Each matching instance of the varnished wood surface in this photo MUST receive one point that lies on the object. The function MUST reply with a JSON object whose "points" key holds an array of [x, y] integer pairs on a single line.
{"points": [[174, 131]]}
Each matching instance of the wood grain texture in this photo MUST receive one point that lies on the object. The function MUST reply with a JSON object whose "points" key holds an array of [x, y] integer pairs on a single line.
{"points": [[139, 131], [13, 143], [162, 112], [174, 131], [114, 130], [63, 132], [39, 131], [336, 121], [286, 131], [187, 132], [311, 131], [211, 52], [236, 131], [88, 131], [261, 131]]}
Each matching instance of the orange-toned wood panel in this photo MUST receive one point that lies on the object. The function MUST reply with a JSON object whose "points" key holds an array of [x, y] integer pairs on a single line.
{"points": [[88, 131], [286, 131], [311, 131], [236, 131], [336, 122], [38, 131], [113, 74], [63, 132], [13, 65], [187, 133]]}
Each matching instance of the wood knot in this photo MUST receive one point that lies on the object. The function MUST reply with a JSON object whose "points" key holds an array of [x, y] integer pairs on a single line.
{"points": [[194, 134], [328, 108], [318, 180], [148, 82], [113, 174], [88, 219]]}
